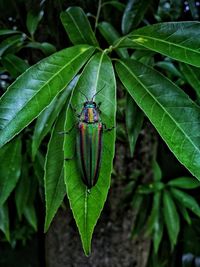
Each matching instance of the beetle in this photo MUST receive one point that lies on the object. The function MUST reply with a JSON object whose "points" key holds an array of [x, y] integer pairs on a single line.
{"points": [[89, 141]]}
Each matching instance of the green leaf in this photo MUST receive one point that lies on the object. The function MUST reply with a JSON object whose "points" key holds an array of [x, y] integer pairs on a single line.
{"points": [[77, 26], [32, 20], [134, 121], [38, 166], [119, 6], [7, 32], [171, 218], [174, 115], [184, 212], [55, 189], [186, 200], [10, 166], [8, 44], [23, 188], [193, 9], [191, 75], [178, 40], [4, 221], [14, 65], [133, 14], [157, 173], [30, 215], [86, 207], [47, 117], [46, 48], [34, 90], [111, 35], [184, 182], [169, 67]]}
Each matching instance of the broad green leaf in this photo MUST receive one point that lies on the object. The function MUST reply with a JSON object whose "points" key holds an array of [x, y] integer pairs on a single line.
{"points": [[8, 32], [192, 75], [171, 218], [77, 26], [87, 206], [184, 182], [23, 188], [111, 35], [47, 117], [134, 121], [14, 65], [32, 20], [4, 220], [55, 189], [186, 200], [10, 168], [34, 90], [13, 41], [175, 116], [46, 48], [178, 40], [157, 173], [133, 14]]}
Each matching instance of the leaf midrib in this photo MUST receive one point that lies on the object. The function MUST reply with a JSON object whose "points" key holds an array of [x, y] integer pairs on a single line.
{"points": [[177, 125]]}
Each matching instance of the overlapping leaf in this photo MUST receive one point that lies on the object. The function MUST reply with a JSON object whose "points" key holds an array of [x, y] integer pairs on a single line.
{"points": [[34, 90], [86, 207], [175, 116]]}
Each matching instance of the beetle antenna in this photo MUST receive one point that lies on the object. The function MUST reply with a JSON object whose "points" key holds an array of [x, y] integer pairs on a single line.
{"points": [[98, 92], [84, 95]]}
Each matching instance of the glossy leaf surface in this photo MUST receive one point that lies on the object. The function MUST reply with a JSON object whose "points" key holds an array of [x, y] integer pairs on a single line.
{"points": [[133, 14], [10, 166], [184, 182], [178, 40], [175, 116], [55, 189], [34, 90], [78, 27], [87, 206], [33, 18]]}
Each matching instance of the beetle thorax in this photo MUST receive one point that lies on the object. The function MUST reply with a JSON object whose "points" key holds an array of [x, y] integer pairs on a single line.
{"points": [[90, 113]]}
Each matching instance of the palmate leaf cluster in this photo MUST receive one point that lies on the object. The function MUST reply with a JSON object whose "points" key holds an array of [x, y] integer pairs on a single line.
{"points": [[46, 91]]}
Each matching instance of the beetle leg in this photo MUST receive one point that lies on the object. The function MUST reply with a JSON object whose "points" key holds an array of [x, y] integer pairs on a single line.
{"points": [[107, 129]]}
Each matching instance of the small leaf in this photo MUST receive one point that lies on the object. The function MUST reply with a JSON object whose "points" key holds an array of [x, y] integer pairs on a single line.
{"points": [[184, 182], [86, 207], [4, 220], [171, 218], [47, 117], [134, 121], [23, 188], [10, 166], [14, 41], [14, 65], [193, 9], [111, 35], [133, 14], [46, 48], [175, 116], [119, 6], [191, 75], [34, 90], [157, 173], [169, 67], [55, 189], [184, 212], [32, 21], [77, 26], [8, 32], [186, 200], [30, 215]]}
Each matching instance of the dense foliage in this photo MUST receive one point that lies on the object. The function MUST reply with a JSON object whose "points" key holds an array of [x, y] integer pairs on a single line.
{"points": [[111, 46]]}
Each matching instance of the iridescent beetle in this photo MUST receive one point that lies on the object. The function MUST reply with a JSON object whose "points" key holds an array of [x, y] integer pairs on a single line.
{"points": [[89, 141]]}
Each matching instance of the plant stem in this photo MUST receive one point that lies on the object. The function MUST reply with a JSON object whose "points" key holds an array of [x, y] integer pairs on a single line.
{"points": [[97, 16]]}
